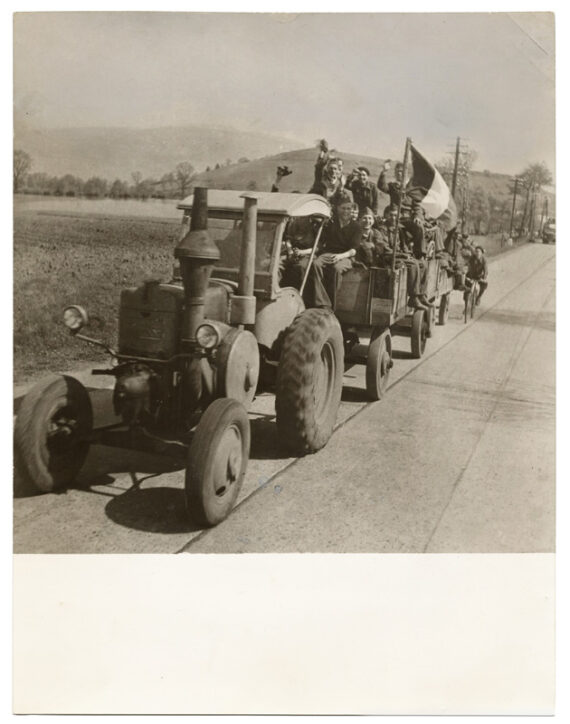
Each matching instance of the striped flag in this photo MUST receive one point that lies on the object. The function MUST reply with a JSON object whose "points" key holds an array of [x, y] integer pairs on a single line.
{"points": [[428, 187]]}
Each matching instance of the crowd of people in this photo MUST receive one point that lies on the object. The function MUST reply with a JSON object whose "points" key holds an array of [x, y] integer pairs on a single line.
{"points": [[360, 234]]}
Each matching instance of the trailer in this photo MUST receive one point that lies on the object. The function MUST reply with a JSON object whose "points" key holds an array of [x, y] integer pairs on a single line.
{"points": [[374, 302]]}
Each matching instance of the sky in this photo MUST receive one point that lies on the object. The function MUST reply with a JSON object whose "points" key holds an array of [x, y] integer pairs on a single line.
{"points": [[363, 81]]}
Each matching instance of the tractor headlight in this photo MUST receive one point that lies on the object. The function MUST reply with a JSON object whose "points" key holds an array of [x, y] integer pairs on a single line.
{"points": [[75, 318], [207, 336]]}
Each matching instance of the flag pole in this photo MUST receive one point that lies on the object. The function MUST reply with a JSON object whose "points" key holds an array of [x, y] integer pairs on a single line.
{"points": [[402, 192]]}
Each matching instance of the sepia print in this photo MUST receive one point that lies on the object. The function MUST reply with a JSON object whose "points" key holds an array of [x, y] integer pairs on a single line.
{"points": [[284, 283]]}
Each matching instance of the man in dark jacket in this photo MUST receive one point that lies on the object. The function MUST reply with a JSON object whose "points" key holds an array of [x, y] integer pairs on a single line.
{"points": [[411, 216], [364, 192], [340, 240], [416, 269], [328, 176], [477, 270]]}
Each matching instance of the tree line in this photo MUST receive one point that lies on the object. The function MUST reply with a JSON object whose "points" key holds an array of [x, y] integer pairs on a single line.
{"points": [[483, 212], [174, 184]]}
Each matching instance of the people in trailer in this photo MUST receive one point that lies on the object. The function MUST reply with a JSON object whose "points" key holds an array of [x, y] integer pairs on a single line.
{"points": [[411, 212], [416, 268], [340, 240], [477, 270], [364, 192], [282, 171], [371, 244], [328, 180]]}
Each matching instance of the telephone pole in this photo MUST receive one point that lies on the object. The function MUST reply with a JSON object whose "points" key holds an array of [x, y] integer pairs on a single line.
{"points": [[455, 167], [513, 208]]}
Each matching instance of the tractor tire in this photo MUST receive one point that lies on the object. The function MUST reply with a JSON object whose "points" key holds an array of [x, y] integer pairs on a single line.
{"points": [[51, 433], [217, 461], [419, 333], [378, 364], [309, 381]]}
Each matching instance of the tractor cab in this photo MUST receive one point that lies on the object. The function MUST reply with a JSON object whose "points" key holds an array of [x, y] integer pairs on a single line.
{"points": [[276, 213]]}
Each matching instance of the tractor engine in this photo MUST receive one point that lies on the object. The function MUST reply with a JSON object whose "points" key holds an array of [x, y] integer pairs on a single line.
{"points": [[178, 346]]}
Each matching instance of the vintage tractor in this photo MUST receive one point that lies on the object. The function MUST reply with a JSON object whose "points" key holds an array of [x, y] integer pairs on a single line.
{"points": [[190, 353]]}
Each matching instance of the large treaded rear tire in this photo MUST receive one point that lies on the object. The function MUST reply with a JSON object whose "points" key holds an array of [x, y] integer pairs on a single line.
{"points": [[309, 381], [52, 430]]}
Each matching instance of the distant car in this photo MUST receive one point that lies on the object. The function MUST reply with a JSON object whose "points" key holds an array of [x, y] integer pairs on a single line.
{"points": [[549, 232]]}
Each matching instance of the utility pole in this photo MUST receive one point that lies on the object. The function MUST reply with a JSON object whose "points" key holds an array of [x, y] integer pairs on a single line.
{"points": [[465, 202], [455, 167], [523, 220], [532, 213], [513, 209]]}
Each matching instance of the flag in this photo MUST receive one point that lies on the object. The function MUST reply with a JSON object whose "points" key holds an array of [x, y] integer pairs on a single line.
{"points": [[427, 186]]}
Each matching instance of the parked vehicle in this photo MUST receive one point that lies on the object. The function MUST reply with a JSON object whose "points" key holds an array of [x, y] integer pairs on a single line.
{"points": [[549, 232]]}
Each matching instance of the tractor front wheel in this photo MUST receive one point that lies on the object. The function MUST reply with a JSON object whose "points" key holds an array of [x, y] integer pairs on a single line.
{"points": [[52, 432], [309, 381], [217, 461]]}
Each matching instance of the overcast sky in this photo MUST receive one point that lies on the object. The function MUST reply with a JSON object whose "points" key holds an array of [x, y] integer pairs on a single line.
{"points": [[364, 82]]}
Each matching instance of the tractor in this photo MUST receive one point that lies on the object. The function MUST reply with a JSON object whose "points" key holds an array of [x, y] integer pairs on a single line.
{"points": [[192, 352]]}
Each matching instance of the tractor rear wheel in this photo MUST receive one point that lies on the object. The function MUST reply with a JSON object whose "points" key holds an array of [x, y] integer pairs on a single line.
{"points": [[217, 461], [309, 381], [51, 433]]}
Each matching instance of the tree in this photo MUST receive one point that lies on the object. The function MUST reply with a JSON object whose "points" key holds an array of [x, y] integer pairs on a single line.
{"points": [[243, 159], [252, 185], [95, 187], [535, 176], [69, 185], [22, 164], [119, 190], [478, 209], [184, 177]]}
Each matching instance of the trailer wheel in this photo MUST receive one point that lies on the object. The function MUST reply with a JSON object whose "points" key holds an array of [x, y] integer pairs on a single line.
{"points": [[444, 308], [217, 461], [430, 319], [51, 432], [419, 333], [309, 381], [378, 364]]}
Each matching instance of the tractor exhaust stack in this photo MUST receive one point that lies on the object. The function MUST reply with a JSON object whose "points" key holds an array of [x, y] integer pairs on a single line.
{"points": [[197, 253]]}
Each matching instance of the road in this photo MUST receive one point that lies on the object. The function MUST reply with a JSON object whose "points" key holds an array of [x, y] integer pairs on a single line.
{"points": [[458, 456]]}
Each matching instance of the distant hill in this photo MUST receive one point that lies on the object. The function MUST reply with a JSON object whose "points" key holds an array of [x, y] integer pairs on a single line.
{"points": [[261, 172], [259, 175], [117, 152]]}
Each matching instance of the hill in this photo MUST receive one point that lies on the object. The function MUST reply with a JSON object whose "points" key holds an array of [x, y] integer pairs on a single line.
{"points": [[117, 152], [260, 173]]}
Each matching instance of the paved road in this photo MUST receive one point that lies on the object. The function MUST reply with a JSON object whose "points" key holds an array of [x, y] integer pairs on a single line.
{"points": [[458, 457]]}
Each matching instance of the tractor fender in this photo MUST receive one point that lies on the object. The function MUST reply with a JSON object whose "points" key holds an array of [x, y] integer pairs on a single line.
{"points": [[276, 315]]}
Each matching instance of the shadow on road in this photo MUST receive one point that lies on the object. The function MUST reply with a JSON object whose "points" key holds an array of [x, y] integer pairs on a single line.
{"points": [[153, 510]]}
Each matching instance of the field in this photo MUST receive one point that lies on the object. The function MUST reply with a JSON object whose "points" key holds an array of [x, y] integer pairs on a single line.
{"points": [[62, 260], [71, 259]]}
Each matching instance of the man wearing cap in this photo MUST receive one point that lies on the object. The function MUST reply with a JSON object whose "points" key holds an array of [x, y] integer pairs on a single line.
{"points": [[416, 270], [411, 215], [364, 192], [340, 240]]}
